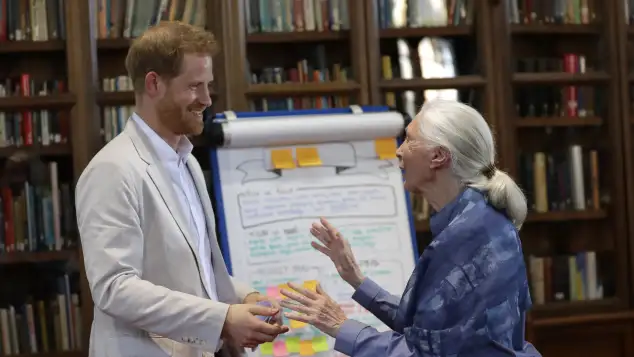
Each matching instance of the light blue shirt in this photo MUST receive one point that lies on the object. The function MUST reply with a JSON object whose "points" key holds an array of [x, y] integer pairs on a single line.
{"points": [[175, 163]]}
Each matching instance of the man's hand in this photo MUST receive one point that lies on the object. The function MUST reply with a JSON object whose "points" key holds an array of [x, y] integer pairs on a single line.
{"points": [[244, 329], [256, 297]]}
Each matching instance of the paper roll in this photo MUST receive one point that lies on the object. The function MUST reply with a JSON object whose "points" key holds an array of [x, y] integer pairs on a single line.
{"points": [[311, 129]]}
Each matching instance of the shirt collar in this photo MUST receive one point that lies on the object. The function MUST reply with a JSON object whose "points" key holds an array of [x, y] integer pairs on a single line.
{"points": [[441, 219], [163, 150]]}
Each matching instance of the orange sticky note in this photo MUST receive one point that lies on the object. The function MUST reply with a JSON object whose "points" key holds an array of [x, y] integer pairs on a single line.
{"points": [[385, 148], [292, 344], [306, 348], [320, 344], [310, 285], [308, 157], [266, 349], [282, 159], [279, 349]]}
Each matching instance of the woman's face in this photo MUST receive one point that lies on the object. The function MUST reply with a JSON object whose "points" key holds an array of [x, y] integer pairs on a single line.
{"points": [[415, 158]]}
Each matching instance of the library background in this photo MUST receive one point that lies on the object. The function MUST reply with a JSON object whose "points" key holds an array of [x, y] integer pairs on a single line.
{"points": [[553, 78]]}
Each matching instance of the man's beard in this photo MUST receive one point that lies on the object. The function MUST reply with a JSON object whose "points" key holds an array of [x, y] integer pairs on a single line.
{"points": [[177, 119]]}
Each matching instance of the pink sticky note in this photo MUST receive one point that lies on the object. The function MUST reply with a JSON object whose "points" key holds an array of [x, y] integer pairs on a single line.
{"points": [[273, 291], [279, 349]]}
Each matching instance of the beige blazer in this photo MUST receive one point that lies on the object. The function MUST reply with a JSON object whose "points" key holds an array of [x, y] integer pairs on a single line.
{"points": [[141, 264]]}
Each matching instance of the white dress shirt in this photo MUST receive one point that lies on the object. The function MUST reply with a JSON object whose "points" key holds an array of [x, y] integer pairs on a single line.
{"points": [[175, 163]]}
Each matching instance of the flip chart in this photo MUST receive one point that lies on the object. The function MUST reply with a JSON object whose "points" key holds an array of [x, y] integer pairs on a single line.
{"points": [[266, 210]]}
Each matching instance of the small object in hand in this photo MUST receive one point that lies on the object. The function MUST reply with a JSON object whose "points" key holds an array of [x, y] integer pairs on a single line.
{"points": [[265, 318]]}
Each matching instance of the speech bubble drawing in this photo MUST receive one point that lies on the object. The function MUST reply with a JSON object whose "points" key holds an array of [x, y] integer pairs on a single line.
{"points": [[255, 170], [353, 201]]}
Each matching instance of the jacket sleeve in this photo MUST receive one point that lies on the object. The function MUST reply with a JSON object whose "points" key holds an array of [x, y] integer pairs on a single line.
{"points": [[242, 289], [108, 206], [377, 301], [465, 291]]}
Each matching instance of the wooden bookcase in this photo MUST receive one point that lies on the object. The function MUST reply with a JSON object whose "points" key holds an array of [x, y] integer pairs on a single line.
{"points": [[335, 54], [51, 92], [550, 111], [487, 49]]}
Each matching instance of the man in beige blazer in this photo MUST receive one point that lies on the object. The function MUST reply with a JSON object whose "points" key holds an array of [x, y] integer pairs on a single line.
{"points": [[157, 277]]}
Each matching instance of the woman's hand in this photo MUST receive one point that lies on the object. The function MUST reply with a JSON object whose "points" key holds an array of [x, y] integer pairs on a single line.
{"points": [[314, 307], [338, 250]]}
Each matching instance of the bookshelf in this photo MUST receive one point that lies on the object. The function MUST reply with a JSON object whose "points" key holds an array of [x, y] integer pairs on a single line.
{"points": [[45, 97], [563, 143], [625, 32], [310, 58]]}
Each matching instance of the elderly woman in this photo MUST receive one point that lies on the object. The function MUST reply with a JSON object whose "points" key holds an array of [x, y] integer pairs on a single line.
{"points": [[468, 294]]}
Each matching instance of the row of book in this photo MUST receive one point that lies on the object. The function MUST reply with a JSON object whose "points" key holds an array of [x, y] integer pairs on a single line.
{"points": [[424, 13], [37, 214], [574, 277], [561, 180], [32, 20], [297, 15], [130, 18], [553, 11], [43, 324]]}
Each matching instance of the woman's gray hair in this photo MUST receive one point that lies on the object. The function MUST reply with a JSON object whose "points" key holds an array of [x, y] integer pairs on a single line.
{"points": [[462, 131]]}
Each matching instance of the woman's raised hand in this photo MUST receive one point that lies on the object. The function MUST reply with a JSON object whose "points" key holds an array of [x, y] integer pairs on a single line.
{"points": [[337, 248]]}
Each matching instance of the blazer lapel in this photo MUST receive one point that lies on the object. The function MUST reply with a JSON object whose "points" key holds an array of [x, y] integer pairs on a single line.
{"points": [[162, 181]]}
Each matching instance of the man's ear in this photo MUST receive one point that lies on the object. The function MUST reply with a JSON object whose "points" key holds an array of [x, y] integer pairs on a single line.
{"points": [[153, 84], [440, 158]]}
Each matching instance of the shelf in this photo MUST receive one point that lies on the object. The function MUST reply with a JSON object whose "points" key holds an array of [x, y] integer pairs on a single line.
{"points": [[48, 150], [32, 46], [555, 29], [297, 89], [432, 83], [559, 78], [417, 32], [115, 98], [570, 308], [37, 257], [113, 43], [538, 122], [562, 216], [37, 102], [294, 37], [607, 317]]}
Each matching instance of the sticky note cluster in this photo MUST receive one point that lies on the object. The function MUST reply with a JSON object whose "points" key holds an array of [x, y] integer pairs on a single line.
{"points": [[295, 345], [282, 159], [274, 292]]}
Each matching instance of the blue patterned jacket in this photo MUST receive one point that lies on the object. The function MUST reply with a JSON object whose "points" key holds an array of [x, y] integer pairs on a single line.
{"points": [[467, 297]]}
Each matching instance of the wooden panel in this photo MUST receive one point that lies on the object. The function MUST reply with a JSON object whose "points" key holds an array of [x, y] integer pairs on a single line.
{"points": [[613, 340]]}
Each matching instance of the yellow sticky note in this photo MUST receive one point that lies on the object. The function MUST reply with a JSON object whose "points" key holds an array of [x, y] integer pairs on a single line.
{"points": [[282, 159], [266, 349], [285, 287], [320, 344], [292, 344], [308, 156], [297, 324], [310, 285], [385, 148], [306, 348]]}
